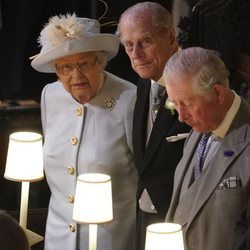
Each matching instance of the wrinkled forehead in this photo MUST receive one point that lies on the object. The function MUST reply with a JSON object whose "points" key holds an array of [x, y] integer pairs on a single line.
{"points": [[139, 28]]}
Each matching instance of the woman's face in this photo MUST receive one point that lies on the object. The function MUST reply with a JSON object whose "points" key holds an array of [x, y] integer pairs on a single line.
{"points": [[80, 75]]}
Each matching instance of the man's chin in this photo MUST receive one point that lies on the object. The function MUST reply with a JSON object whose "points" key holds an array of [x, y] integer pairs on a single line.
{"points": [[144, 75]]}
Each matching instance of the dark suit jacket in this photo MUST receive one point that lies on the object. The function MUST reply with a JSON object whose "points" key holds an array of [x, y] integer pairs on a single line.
{"points": [[156, 163]]}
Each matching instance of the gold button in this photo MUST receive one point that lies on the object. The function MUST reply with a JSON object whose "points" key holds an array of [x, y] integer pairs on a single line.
{"points": [[70, 170], [70, 198], [78, 111], [72, 228], [74, 140]]}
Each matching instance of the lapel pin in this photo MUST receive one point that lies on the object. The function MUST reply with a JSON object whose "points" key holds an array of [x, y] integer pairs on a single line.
{"points": [[228, 153]]}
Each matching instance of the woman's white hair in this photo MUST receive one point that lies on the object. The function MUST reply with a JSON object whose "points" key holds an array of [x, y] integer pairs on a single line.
{"points": [[102, 58]]}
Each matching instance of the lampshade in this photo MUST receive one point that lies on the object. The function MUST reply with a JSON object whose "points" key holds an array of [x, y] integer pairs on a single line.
{"points": [[93, 199], [24, 158], [162, 236]]}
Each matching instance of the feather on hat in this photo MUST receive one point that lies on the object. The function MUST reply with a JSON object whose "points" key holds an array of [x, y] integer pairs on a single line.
{"points": [[66, 35]]}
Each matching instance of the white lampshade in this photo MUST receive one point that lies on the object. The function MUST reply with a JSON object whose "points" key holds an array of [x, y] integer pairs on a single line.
{"points": [[93, 199], [25, 157], [162, 236]]}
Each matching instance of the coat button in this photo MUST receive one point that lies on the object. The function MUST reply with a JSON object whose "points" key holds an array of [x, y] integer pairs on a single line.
{"points": [[70, 170], [70, 198], [74, 140], [78, 111], [72, 228], [152, 207]]}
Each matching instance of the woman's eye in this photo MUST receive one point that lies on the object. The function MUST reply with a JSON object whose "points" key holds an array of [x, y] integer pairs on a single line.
{"points": [[67, 66]]}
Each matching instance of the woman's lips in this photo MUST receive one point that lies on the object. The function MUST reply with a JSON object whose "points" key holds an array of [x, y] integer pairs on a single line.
{"points": [[79, 85]]}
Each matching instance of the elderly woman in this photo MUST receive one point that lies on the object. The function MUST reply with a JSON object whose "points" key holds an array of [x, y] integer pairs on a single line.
{"points": [[86, 119]]}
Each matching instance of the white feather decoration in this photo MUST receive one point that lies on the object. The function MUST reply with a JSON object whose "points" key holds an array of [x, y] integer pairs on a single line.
{"points": [[62, 28]]}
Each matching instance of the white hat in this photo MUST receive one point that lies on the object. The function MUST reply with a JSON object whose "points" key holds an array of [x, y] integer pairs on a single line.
{"points": [[68, 35]]}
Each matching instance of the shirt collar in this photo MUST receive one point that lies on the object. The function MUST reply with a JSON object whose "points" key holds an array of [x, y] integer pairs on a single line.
{"points": [[160, 81], [227, 121]]}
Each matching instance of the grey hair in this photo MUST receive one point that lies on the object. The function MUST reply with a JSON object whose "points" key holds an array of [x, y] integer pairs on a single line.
{"points": [[160, 18], [102, 58], [205, 67]]}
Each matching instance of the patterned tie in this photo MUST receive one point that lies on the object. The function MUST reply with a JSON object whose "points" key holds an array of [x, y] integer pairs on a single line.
{"points": [[199, 155], [157, 94]]}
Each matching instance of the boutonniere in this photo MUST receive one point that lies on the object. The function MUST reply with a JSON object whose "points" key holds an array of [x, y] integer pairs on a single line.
{"points": [[170, 105], [228, 153], [109, 103]]}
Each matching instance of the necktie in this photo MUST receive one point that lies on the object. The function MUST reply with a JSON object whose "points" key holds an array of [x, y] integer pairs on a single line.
{"points": [[199, 155], [157, 94]]}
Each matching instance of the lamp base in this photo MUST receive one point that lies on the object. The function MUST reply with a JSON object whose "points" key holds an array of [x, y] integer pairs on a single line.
{"points": [[33, 237]]}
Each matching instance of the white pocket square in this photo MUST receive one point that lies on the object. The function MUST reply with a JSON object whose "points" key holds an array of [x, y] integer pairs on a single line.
{"points": [[230, 183], [177, 137]]}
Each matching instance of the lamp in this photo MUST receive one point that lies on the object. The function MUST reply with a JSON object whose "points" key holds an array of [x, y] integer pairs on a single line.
{"points": [[93, 203], [162, 236], [25, 164]]}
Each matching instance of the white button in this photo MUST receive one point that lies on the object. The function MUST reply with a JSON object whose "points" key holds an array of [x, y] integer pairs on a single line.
{"points": [[152, 207], [70, 198], [139, 201], [70, 170], [72, 228], [78, 111], [74, 140]]}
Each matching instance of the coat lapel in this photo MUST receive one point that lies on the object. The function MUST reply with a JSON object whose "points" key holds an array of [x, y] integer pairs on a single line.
{"points": [[181, 181], [140, 120], [162, 123], [211, 177]]}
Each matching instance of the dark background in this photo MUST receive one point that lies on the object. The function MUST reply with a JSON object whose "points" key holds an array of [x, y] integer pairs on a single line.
{"points": [[22, 21]]}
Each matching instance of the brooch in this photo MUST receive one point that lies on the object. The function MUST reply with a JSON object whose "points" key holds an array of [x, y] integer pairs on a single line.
{"points": [[109, 103]]}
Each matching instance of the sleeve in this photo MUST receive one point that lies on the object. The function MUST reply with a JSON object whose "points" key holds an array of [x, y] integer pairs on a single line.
{"points": [[43, 109], [130, 98]]}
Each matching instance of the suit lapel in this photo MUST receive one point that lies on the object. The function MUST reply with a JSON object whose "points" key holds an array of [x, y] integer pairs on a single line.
{"points": [[180, 179], [162, 123], [235, 141], [140, 120], [211, 177]]}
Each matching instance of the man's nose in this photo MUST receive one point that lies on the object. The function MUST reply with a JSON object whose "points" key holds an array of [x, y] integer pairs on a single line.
{"points": [[137, 51], [181, 113]]}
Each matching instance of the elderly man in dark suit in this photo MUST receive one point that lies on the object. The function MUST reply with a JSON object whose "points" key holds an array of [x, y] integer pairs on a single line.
{"points": [[149, 40], [212, 180]]}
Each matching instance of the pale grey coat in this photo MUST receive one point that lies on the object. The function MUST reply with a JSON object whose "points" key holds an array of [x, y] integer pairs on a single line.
{"points": [[207, 213], [94, 137]]}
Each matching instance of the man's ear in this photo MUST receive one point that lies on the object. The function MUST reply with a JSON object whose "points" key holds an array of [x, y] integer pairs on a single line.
{"points": [[172, 35], [219, 93]]}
